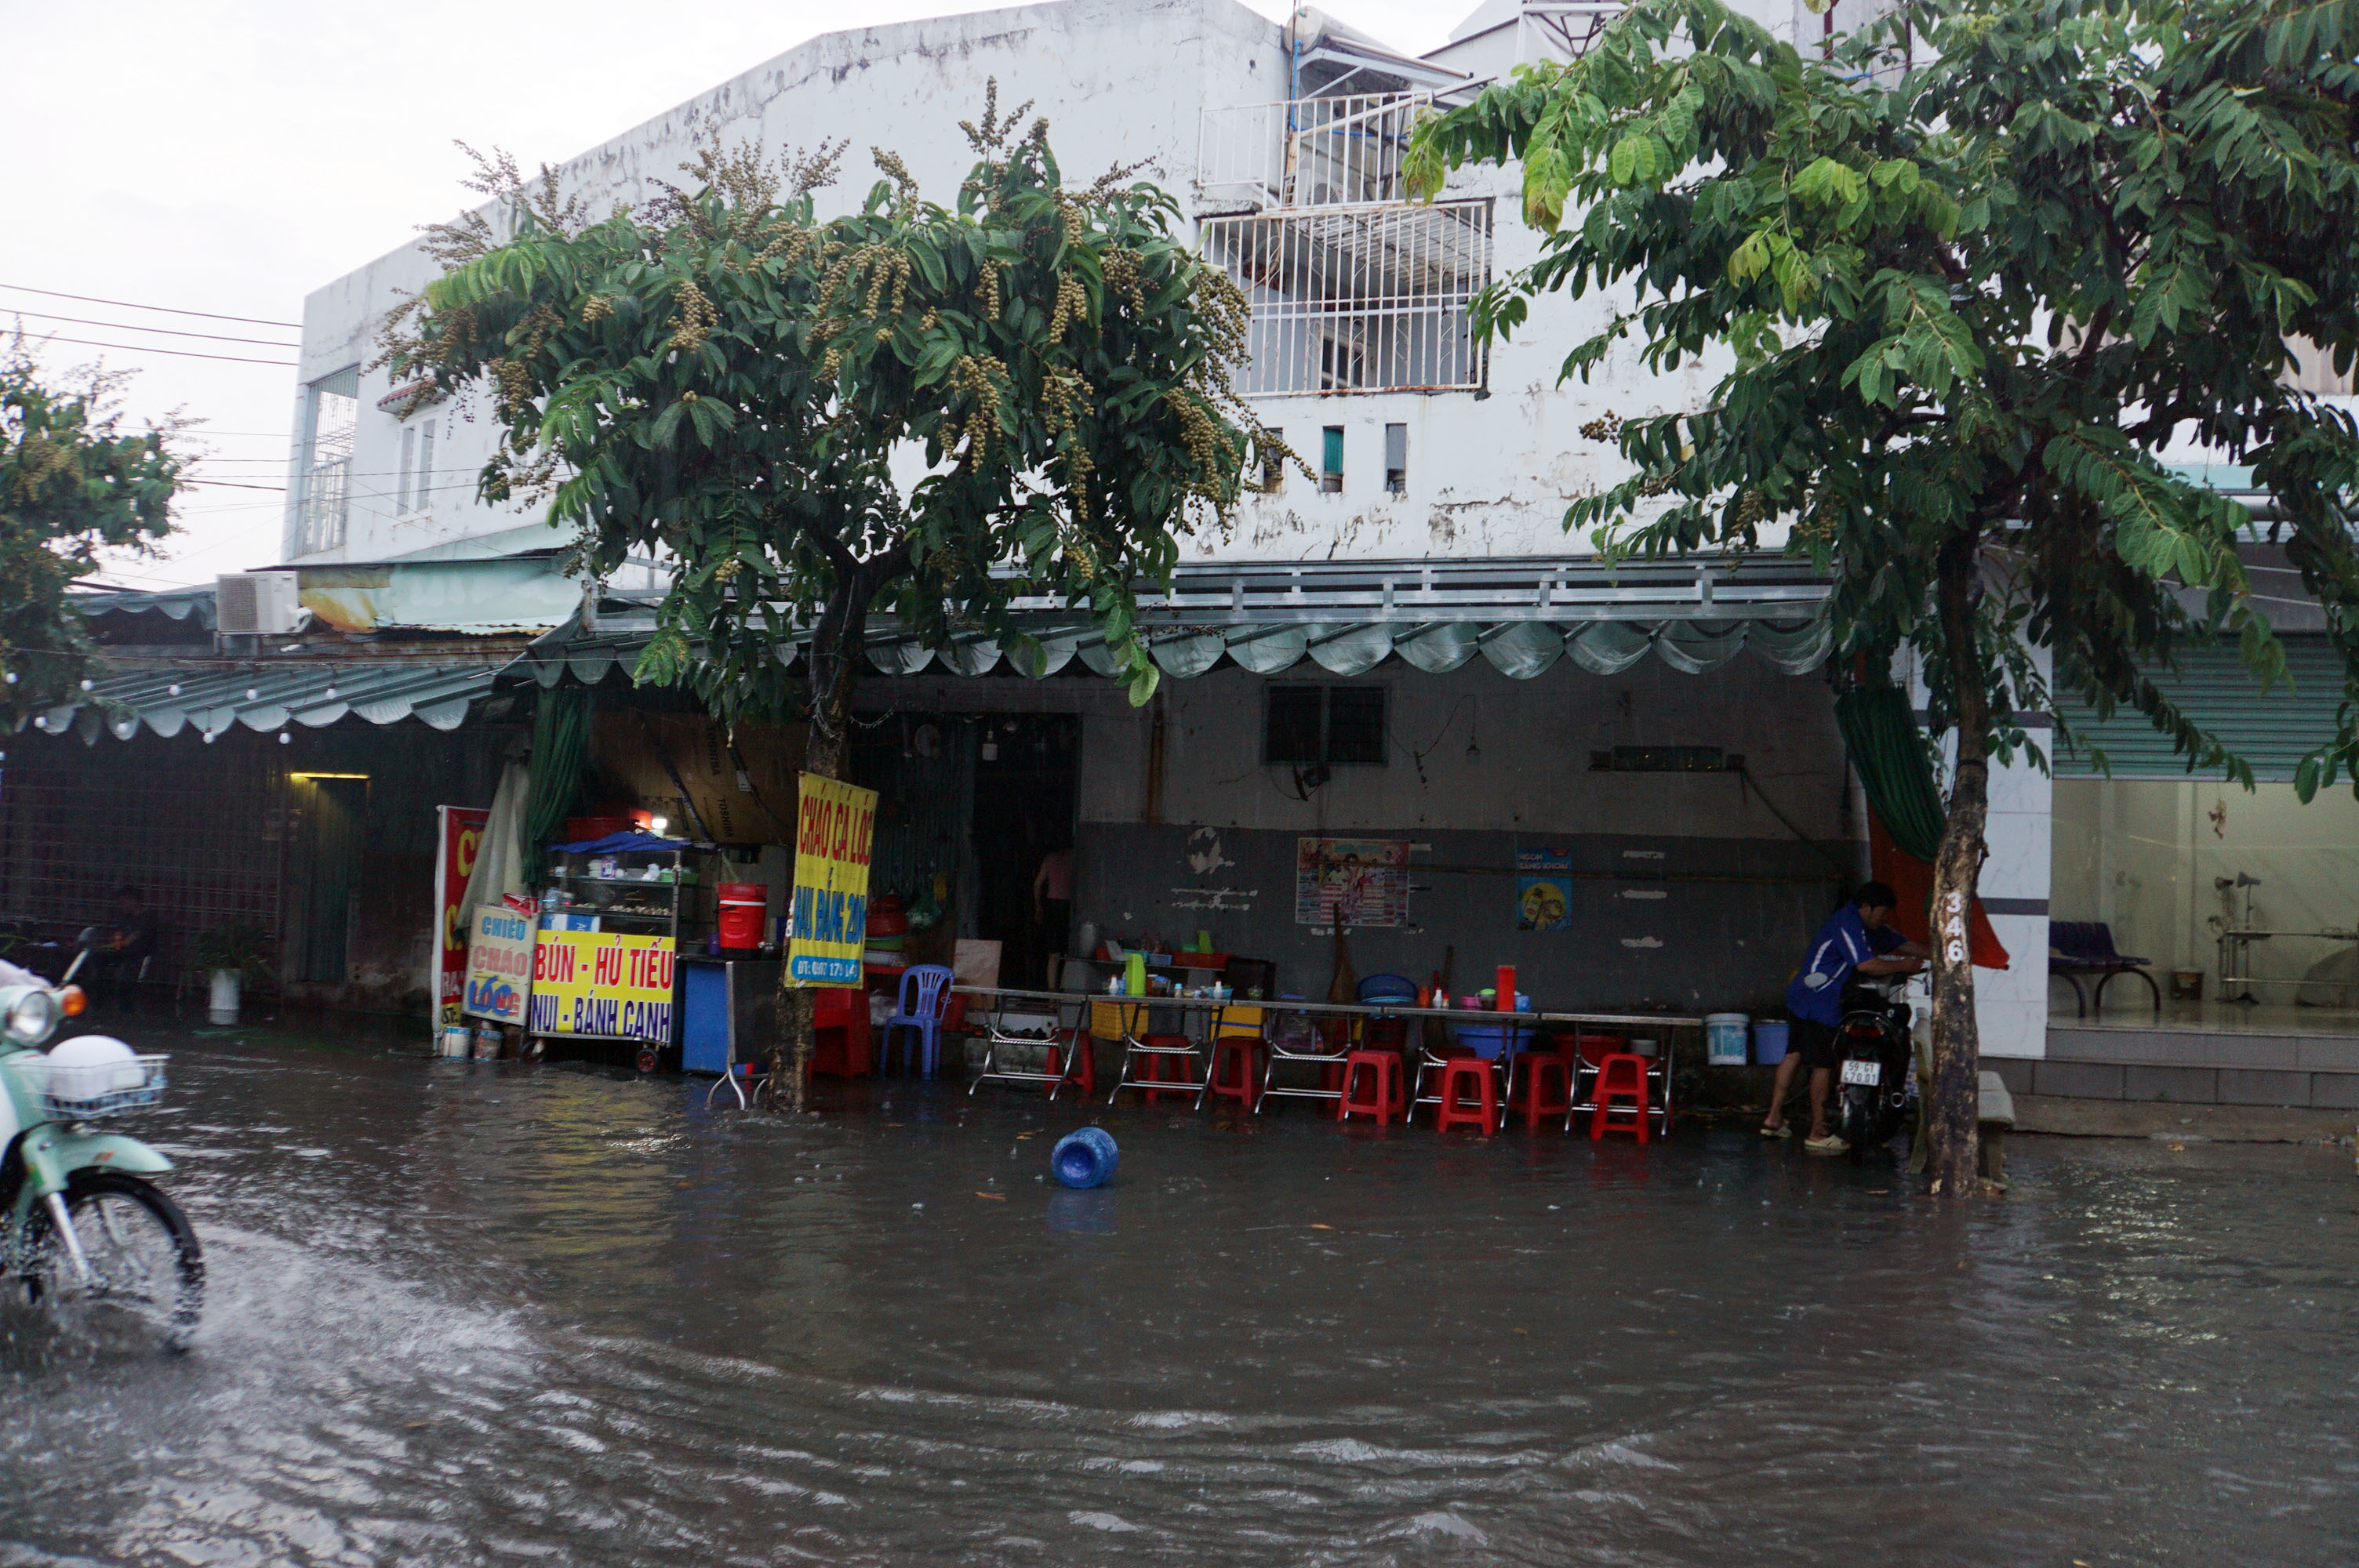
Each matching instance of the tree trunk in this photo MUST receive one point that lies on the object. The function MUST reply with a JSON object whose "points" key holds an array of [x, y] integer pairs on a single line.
{"points": [[1951, 1109], [837, 644]]}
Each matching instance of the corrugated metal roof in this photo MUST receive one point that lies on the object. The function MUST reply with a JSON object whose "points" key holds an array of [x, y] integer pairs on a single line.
{"points": [[209, 701], [2214, 688]]}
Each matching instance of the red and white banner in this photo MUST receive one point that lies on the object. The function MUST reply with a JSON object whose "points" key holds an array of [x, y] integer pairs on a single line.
{"points": [[459, 834]]}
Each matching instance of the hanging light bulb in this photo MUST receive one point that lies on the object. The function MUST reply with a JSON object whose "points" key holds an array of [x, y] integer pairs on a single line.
{"points": [[87, 683], [209, 737], [12, 677], [174, 689], [284, 739], [331, 692], [253, 693]]}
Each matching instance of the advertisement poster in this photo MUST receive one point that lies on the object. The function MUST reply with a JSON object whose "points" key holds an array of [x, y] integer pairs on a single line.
{"points": [[499, 964], [1543, 889], [459, 834], [829, 930], [612, 984], [1359, 883]]}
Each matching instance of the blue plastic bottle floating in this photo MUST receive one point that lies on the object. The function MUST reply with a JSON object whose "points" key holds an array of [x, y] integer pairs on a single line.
{"points": [[1085, 1158]]}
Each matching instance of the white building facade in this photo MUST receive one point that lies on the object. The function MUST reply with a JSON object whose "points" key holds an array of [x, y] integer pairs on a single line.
{"points": [[1668, 734]]}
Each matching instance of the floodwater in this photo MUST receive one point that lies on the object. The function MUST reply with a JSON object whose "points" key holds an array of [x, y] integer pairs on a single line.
{"points": [[492, 1314]]}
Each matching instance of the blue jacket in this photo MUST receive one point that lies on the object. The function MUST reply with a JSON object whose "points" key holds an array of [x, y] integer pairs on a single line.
{"points": [[1842, 944]]}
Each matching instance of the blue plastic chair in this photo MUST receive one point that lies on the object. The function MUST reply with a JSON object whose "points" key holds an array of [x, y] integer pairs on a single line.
{"points": [[932, 983]]}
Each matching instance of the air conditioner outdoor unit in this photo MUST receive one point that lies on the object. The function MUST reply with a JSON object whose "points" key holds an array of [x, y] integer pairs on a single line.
{"points": [[257, 604]]}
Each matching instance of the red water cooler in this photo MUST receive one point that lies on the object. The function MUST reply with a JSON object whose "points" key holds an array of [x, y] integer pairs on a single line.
{"points": [[742, 904]]}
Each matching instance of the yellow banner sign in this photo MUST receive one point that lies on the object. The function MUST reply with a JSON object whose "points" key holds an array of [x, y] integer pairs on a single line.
{"points": [[828, 931], [612, 984]]}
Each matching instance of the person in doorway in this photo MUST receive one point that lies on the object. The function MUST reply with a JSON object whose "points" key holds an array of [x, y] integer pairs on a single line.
{"points": [[1857, 939], [121, 947], [1052, 904]]}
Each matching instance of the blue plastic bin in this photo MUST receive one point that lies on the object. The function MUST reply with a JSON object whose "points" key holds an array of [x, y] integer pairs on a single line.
{"points": [[1769, 1042]]}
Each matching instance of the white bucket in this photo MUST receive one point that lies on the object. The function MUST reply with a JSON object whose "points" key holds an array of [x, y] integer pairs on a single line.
{"points": [[1724, 1038], [220, 999], [456, 1041]]}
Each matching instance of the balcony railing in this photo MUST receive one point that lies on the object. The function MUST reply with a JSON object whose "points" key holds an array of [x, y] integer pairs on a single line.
{"points": [[1308, 152]]}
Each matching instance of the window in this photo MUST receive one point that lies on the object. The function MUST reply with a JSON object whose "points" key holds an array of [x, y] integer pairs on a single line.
{"points": [[1357, 299], [323, 496], [1665, 760], [1330, 459], [1336, 725], [401, 484], [1273, 462], [1396, 458]]}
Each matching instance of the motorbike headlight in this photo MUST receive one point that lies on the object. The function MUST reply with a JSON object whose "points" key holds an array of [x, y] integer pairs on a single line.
{"points": [[28, 1016]]}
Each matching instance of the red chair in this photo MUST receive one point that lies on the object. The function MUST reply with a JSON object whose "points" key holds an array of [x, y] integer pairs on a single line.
{"points": [[1373, 1086], [1463, 1073], [1540, 1084], [1166, 1059], [1237, 1063], [1621, 1083], [1082, 1070]]}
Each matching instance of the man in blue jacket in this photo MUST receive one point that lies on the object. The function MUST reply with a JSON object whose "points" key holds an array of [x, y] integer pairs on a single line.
{"points": [[1857, 939]]}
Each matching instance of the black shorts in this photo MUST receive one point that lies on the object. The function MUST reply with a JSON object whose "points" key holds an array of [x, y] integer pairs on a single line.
{"points": [[1814, 1043]]}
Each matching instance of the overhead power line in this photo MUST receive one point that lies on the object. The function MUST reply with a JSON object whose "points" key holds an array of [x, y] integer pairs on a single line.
{"points": [[163, 310], [165, 331], [181, 353]]}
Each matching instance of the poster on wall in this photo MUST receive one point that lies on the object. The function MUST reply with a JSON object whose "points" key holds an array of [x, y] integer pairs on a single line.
{"points": [[1359, 883], [1543, 889], [459, 834], [828, 931], [499, 964], [612, 985]]}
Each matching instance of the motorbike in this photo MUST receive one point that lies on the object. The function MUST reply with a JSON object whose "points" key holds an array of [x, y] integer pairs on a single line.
{"points": [[1874, 1049], [85, 1236]]}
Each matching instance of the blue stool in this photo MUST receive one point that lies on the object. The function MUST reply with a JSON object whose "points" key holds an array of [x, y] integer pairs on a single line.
{"points": [[922, 1013]]}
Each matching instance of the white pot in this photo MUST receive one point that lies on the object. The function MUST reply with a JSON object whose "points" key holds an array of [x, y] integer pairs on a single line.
{"points": [[222, 1005]]}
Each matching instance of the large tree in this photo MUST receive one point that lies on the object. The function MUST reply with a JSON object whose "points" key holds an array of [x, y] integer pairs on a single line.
{"points": [[75, 480], [1971, 271], [912, 408]]}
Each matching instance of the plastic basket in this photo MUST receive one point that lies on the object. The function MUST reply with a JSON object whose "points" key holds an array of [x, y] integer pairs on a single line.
{"points": [[79, 1093]]}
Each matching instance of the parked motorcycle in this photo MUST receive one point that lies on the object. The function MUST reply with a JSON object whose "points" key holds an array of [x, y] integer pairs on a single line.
{"points": [[83, 1234], [1873, 1048]]}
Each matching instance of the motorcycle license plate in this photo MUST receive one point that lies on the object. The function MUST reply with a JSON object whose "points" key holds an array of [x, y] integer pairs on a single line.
{"points": [[1862, 1072]]}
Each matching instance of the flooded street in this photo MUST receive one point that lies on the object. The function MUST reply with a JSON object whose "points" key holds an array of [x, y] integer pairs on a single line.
{"points": [[475, 1313]]}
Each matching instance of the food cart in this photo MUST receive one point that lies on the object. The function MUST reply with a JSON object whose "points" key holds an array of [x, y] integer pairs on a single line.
{"points": [[613, 922]]}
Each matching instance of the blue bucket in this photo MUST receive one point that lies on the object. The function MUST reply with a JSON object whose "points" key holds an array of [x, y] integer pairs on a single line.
{"points": [[1769, 1042], [1085, 1158]]}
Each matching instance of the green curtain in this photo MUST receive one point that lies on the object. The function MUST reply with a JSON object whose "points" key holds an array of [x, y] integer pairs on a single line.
{"points": [[561, 761], [1889, 753]]}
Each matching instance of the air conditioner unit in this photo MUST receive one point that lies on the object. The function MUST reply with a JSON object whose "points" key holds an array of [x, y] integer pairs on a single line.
{"points": [[257, 604]]}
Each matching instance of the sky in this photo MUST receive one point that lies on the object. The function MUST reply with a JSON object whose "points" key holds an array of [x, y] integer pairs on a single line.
{"points": [[232, 156]]}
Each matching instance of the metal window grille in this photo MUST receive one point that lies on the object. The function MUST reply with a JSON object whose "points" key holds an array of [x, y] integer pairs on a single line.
{"points": [[1310, 152], [323, 481], [1360, 299]]}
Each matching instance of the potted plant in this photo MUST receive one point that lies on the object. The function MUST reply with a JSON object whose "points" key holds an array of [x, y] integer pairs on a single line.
{"points": [[227, 953]]}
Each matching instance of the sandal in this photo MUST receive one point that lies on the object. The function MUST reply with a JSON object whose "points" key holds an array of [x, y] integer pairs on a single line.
{"points": [[1781, 1130]]}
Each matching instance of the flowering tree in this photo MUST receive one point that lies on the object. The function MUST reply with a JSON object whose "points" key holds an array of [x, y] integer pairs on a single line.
{"points": [[916, 409], [1975, 269]]}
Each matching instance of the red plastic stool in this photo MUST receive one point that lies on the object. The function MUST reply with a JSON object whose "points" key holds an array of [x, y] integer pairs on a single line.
{"points": [[1163, 1064], [1473, 1072], [1237, 1069], [1621, 1082], [1547, 1088], [1081, 1069], [1373, 1086]]}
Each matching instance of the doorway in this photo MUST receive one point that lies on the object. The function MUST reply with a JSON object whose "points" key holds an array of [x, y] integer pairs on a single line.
{"points": [[1026, 794], [333, 812]]}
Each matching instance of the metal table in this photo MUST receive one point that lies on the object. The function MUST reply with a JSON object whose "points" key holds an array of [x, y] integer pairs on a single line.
{"points": [[1042, 1001], [2236, 941]]}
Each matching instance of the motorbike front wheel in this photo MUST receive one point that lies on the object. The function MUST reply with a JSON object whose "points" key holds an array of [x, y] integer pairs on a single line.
{"points": [[146, 1280]]}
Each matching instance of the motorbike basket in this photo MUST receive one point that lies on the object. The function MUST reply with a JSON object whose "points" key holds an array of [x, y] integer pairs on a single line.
{"points": [[81, 1093]]}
